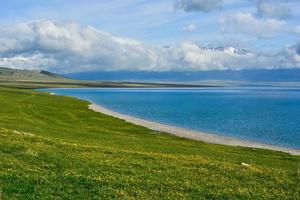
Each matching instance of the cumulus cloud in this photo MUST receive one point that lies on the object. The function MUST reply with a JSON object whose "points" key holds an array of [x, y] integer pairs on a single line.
{"points": [[190, 27], [293, 53], [32, 62], [296, 30], [273, 9], [229, 58], [68, 47], [75, 48], [198, 5], [247, 23]]}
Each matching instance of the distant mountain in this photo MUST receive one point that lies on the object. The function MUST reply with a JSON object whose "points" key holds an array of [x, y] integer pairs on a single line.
{"points": [[280, 75], [31, 79], [23, 75]]}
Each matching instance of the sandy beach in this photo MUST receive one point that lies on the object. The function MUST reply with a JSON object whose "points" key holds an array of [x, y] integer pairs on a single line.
{"points": [[190, 134]]}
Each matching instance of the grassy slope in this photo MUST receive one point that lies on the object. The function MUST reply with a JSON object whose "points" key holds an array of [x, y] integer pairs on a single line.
{"points": [[17, 74], [54, 147], [16, 78]]}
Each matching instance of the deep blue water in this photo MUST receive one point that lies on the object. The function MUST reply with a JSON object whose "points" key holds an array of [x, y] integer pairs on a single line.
{"points": [[268, 115]]}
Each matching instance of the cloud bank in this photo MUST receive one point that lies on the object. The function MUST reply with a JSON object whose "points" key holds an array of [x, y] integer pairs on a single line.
{"points": [[198, 5], [247, 23], [68, 47], [273, 9]]}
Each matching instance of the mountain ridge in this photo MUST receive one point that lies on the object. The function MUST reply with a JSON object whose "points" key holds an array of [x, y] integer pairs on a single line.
{"points": [[22, 74], [276, 75]]}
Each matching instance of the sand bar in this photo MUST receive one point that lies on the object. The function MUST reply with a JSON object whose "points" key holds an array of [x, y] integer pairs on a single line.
{"points": [[190, 134]]}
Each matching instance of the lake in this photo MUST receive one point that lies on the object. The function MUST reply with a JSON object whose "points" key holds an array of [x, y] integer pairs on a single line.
{"points": [[262, 114]]}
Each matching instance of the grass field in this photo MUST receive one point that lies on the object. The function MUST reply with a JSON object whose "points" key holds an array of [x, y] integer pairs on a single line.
{"points": [[53, 147]]}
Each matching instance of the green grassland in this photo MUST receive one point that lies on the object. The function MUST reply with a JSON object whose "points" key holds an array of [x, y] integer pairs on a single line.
{"points": [[53, 147]]}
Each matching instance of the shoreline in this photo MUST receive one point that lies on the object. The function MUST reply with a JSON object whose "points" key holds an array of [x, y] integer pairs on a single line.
{"points": [[191, 134]]}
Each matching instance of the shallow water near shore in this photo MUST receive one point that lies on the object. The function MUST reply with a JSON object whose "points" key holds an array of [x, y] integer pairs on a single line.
{"points": [[269, 115]]}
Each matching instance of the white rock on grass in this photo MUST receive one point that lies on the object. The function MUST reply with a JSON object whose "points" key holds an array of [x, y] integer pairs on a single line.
{"points": [[245, 164]]}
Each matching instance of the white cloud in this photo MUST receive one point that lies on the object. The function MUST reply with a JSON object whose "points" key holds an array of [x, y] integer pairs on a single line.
{"points": [[198, 5], [190, 27], [30, 62], [68, 47], [293, 55], [246, 23], [297, 49], [273, 9], [229, 58], [296, 30], [77, 48]]}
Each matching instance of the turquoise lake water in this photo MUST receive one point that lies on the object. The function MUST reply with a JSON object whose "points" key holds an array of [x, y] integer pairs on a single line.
{"points": [[268, 115]]}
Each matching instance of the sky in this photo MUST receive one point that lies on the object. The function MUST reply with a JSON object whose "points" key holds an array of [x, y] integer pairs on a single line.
{"points": [[149, 35]]}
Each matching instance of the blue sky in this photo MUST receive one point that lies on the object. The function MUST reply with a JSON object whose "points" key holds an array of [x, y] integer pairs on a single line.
{"points": [[266, 27]]}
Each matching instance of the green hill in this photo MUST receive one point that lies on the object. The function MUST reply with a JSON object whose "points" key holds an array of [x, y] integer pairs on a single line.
{"points": [[29, 75], [17, 78]]}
